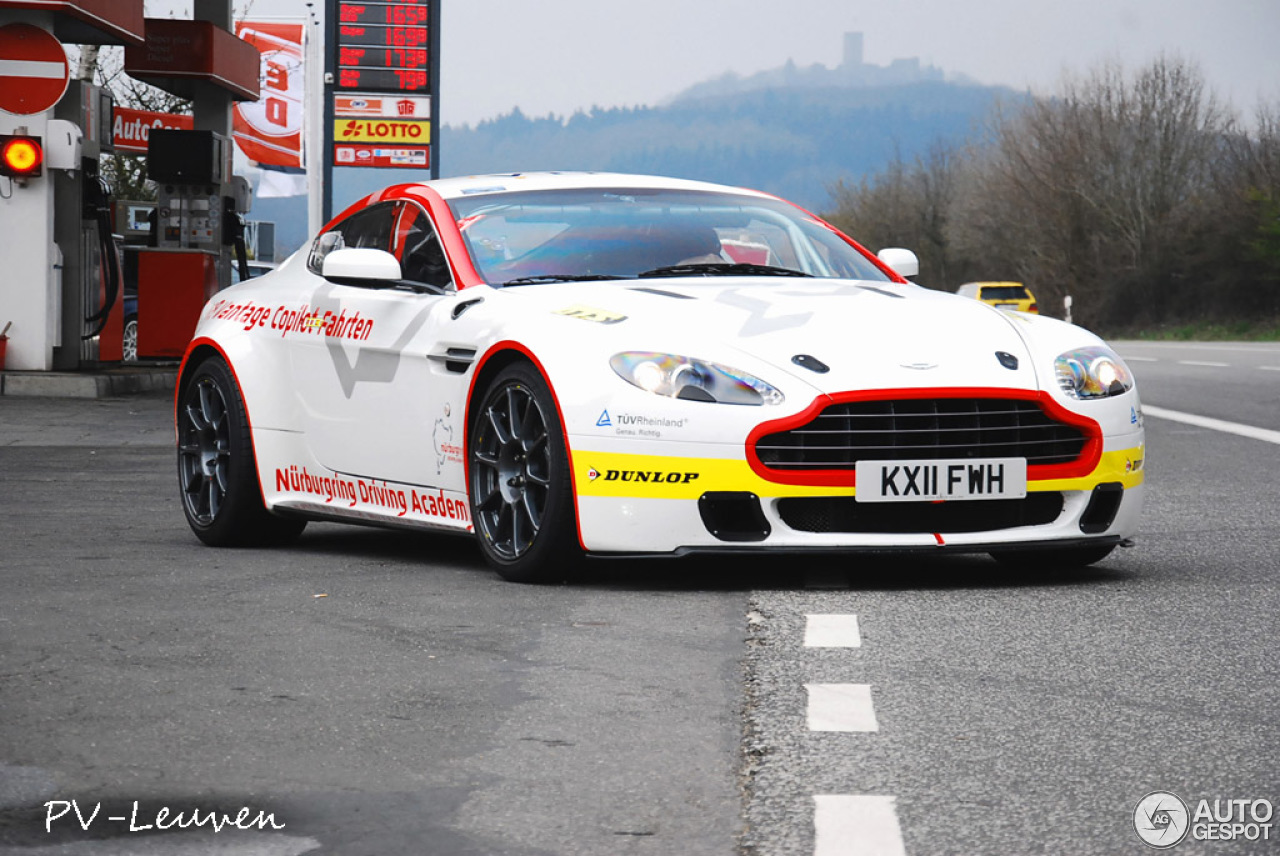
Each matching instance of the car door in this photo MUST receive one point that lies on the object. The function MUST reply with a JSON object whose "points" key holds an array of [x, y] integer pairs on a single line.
{"points": [[371, 401]]}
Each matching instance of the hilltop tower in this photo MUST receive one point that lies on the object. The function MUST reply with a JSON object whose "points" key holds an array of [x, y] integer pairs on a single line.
{"points": [[852, 51]]}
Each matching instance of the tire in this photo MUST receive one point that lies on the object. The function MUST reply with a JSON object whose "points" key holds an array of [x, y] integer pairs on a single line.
{"points": [[129, 339], [1049, 559], [217, 472], [521, 497]]}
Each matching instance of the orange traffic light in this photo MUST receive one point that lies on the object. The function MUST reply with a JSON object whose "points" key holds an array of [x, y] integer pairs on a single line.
{"points": [[21, 156]]}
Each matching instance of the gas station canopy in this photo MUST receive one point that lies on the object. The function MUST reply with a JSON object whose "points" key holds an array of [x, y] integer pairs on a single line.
{"points": [[179, 56], [91, 22]]}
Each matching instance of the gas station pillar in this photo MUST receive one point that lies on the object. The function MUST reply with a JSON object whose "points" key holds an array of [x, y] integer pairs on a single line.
{"points": [[30, 263]]}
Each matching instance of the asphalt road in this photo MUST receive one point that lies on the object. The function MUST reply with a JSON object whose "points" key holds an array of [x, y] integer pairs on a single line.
{"points": [[422, 706]]}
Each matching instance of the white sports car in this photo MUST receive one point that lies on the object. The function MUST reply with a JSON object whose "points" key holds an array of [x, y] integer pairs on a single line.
{"points": [[564, 364]]}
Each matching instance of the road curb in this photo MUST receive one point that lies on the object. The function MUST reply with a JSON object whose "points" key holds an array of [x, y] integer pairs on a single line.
{"points": [[104, 384]]}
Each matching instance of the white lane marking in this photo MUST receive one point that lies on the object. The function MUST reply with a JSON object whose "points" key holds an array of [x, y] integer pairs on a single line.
{"points": [[856, 825], [1205, 363], [1214, 424], [832, 631], [1129, 359], [841, 707], [1241, 348], [1270, 368]]}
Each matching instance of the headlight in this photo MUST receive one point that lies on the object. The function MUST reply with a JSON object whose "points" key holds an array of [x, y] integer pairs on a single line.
{"points": [[1092, 373], [692, 380]]}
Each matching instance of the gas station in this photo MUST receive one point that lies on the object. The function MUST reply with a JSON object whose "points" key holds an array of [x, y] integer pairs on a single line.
{"points": [[62, 285], [61, 289]]}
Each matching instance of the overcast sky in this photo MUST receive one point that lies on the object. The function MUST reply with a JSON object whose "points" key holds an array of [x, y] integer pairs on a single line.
{"points": [[559, 56]]}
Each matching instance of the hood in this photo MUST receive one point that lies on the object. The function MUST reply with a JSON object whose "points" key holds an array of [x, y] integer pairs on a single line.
{"points": [[868, 335]]}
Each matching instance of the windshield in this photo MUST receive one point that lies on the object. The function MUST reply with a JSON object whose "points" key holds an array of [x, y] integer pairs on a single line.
{"points": [[535, 236]]}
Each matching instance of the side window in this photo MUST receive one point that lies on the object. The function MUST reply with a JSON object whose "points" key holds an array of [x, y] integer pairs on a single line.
{"points": [[371, 228], [418, 247]]}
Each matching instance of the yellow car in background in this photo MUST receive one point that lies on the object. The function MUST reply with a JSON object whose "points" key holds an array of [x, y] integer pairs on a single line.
{"points": [[1001, 295]]}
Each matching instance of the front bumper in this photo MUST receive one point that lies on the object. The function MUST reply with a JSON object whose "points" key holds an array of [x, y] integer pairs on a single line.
{"points": [[651, 504]]}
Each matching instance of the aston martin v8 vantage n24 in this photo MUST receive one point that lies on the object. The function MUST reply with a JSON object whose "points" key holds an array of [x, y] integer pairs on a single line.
{"points": [[566, 365]]}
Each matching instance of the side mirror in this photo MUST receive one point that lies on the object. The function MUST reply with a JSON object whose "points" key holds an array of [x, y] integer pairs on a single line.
{"points": [[354, 266], [902, 262]]}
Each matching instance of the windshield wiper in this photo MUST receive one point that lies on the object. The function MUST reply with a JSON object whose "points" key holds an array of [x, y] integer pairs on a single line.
{"points": [[722, 269], [558, 277]]}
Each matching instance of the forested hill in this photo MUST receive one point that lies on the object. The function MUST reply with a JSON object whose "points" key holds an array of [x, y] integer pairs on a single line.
{"points": [[792, 142], [795, 143]]}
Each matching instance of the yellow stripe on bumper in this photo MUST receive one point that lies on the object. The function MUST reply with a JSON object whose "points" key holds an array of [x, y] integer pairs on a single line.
{"points": [[661, 477]]}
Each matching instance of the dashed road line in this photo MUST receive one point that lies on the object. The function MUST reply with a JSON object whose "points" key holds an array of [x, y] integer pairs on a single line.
{"points": [[841, 707], [832, 631], [1270, 368], [1214, 424], [847, 824], [1205, 363], [856, 825], [1141, 359]]}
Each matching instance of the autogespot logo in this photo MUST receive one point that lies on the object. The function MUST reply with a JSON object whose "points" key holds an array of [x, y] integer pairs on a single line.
{"points": [[1161, 819]]}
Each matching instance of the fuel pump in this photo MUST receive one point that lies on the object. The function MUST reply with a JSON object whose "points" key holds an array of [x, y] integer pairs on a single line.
{"points": [[237, 203], [91, 272], [98, 205], [181, 273]]}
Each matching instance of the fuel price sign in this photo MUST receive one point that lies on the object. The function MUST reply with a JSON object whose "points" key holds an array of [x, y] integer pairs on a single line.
{"points": [[382, 46]]}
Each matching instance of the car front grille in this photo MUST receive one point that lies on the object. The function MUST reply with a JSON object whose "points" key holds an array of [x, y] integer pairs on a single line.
{"points": [[922, 429]]}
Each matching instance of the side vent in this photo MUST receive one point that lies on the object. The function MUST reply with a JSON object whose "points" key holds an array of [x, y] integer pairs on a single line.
{"points": [[456, 360], [464, 306]]}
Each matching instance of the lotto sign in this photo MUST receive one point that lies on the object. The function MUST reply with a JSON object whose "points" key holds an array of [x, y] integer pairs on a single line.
{"points": [[269, 130], [33, 70], [386, 131]]}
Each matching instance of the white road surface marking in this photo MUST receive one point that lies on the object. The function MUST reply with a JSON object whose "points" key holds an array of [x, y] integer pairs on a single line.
{"points": [[856, 825], [841, 707], [1205, 363], [1213, 424], [1243, 347], [832, 631]]}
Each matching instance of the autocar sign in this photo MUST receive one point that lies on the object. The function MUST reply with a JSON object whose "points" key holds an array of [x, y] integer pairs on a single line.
{"points": [[131, 128]]}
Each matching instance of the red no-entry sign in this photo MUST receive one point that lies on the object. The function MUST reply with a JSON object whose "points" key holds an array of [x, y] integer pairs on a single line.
{"points": [[33, 69]]}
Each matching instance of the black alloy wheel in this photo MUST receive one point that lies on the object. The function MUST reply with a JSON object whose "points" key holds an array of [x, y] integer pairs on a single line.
{"points": [[217, 473], [521, 499]]}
